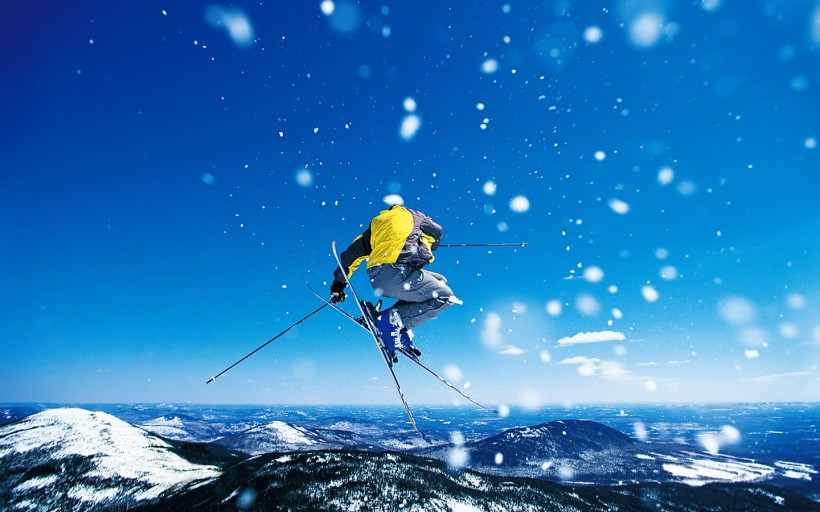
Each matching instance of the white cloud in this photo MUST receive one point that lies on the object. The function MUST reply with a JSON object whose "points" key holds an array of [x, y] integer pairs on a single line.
{"points": [[591, 337], [779, 376], [614, 371], [580, 360], [511, 350]]}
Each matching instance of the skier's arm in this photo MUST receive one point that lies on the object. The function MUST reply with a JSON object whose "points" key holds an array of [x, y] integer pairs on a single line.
{"points": [[353, 256], [432, 232]]}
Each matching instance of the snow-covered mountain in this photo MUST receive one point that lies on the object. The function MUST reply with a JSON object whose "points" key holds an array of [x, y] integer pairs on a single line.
{"points": [[591, 453], [278, 436], [73, 458], [183, 428], [389, 481], [342, 434], [81, 460]]}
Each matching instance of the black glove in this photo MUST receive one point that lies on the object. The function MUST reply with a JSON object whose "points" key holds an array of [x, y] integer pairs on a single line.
{"points": [[337, 292]]}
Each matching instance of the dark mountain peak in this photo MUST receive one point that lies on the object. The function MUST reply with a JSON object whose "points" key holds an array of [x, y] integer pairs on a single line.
{"points": [[559, 436]]}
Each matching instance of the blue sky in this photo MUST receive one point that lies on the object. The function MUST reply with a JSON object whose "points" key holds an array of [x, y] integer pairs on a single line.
{"points": [[173, 176]]}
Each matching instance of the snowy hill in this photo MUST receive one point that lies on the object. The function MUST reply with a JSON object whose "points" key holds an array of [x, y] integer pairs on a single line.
{"points": [[343, 480], [588, 452], [338, 434], [202, 428], [278, 436], [69, 458], [182, 428]]}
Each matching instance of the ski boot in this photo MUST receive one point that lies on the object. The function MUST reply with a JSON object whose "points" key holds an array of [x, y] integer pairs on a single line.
{"points": [[406, 341], [392, 328], [372, 310], [388, 333]]}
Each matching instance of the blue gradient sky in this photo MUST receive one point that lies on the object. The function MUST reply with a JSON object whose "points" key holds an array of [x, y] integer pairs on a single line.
{"points": [[173, 174]]}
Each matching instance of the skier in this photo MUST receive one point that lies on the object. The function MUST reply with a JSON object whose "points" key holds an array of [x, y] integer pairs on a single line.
{"points": [[397, 244]]}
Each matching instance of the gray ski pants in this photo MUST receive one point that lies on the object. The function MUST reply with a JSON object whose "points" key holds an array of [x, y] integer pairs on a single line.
{"points": [[418, 291]]}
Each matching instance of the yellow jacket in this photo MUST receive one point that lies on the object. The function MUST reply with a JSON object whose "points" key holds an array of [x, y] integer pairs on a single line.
{"points": [[398, 235]]}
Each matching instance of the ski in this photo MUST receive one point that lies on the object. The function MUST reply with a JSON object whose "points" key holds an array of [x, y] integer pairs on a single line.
{"points": [[404, 353], [371, 328]]}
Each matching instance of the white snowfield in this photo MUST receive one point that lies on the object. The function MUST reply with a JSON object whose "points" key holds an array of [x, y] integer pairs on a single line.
{"points": [[699, 469], [289, 433], [115, 448], [168, 427]]}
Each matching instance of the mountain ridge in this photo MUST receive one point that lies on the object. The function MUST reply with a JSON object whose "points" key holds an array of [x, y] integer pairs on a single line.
{"points": [[77, 459]]}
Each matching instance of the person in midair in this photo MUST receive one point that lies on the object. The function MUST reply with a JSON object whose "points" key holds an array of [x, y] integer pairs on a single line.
{"points": [[397, 244]]}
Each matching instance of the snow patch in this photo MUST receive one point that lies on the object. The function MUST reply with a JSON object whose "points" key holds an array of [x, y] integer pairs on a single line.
{"points": [[702, 471]]}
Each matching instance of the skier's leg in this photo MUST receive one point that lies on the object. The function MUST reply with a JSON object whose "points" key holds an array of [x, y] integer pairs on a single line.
{"points": [[422, 295]]}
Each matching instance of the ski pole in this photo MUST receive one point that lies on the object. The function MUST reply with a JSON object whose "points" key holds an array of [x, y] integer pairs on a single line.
{"points": [[513, 244], [260, 347]]}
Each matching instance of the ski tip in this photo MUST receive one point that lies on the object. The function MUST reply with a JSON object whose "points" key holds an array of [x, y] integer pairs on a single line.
{"points": [[212, 379], [523, 244]]}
